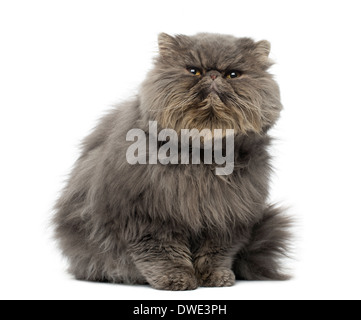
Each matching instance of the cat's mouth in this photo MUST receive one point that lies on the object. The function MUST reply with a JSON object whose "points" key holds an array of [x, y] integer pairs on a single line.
{"points": [[211, 90], [214, 89], [215, 94]]}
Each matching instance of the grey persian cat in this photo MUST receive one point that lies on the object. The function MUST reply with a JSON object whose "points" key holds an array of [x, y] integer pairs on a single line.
{"points": [[178, 227]]}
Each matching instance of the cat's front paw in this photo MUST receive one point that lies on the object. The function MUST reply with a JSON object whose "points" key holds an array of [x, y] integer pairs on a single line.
{"points": [[219, 278], [176, 281]]}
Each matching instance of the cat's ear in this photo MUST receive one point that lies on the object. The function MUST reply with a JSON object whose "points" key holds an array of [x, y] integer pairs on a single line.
{"points": [[262, 51], [263, 48], [167, 44]]}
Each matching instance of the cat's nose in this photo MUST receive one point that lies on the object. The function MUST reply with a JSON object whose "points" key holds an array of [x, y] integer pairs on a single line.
{"points": [[213, 74]]}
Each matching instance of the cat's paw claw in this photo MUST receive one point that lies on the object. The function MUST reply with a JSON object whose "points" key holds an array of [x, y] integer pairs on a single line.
{"points": [[219, 278]]}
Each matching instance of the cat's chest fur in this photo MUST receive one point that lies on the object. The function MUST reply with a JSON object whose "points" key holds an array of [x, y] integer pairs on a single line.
{"points": [[195, 195], [187, 195]]}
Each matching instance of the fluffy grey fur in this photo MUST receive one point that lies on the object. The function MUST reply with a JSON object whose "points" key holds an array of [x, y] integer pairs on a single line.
{"points": [[178, 227]]}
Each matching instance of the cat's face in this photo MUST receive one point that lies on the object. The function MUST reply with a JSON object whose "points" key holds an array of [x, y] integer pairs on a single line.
{"points": [[212, 82]]}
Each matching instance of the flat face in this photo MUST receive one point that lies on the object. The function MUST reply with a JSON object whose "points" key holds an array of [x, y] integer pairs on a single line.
{"points": [[212, 82]]}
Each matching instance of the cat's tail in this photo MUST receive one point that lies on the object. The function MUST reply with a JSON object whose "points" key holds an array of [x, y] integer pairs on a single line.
{"points": [[261, 258]]}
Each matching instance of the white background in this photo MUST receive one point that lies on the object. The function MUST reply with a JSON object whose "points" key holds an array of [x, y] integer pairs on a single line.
{"points": [[64, 63]]}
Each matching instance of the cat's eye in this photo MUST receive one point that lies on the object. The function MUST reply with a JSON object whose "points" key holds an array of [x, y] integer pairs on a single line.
{"points": [[233, 74], [195, 71]]}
